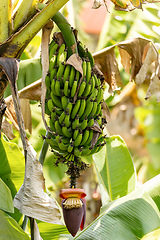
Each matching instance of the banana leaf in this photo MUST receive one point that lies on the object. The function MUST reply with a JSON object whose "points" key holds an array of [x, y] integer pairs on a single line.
{"points": [[115, 169]]}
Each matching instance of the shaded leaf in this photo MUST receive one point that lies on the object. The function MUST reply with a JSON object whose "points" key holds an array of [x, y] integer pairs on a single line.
{"points": [[10, 229], [6, 202]]}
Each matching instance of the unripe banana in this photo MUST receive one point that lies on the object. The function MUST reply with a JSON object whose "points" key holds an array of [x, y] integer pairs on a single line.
{"points": [[74, 104], [75, 108]]}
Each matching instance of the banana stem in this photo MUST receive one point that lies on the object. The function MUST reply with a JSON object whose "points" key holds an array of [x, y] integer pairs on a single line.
{"points": [[67, 32], [5, 6], [66, 29]]}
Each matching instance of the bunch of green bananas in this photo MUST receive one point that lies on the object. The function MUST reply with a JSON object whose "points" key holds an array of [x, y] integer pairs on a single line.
{"points": [[73, 121]]}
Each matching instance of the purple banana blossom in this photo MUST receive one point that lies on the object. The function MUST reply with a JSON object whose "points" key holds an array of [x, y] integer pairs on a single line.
{"points": [[74, 209]]}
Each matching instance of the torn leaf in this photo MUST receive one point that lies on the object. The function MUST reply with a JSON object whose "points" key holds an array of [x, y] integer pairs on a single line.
{"points": [[31, 199], [76, 62], [135, 48], [107, 63], [7, 129], [149, 65], [154, 88]]}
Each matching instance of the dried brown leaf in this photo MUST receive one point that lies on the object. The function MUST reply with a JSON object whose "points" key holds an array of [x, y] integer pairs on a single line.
{"points": [[76, 62], [97, 4], [32, 91], [96, 127], [105, 111], [26, 113], [107, 63], [135, 48], [7, 129], [150, 64], [31, 199], [154, 88]]}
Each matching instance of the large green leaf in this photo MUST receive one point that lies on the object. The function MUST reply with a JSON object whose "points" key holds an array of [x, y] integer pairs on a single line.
{"points": [[12, 168], [130, 217], [50, 231], [115, 169], [6, 201], [13, 159], [10, 229]]}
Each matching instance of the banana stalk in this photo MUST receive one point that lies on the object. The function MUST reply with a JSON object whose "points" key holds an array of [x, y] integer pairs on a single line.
{"points": [[18, 42], [5, 19]]}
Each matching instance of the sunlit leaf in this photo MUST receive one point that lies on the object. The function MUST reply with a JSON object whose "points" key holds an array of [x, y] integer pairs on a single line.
{"points": [[115, 168], [51, 231], [6, 201], [130, 217]]}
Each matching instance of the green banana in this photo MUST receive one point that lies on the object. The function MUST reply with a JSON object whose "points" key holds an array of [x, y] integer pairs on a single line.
{"points": [[67, 121], [94, 109], [84, 66], [58, 127], [88, 71], [57, 88], [62, 54], [77, 151], [53, 73], [94, 94], [90, 122], [92, 84], [85, 151], [89, 138], [52, 63], [75, 108], [100, 95], [70, 147], [52, 126], [66, 90], [58, 111], [47, 81], [85, 137], [87, 89], [99, 109], [66, 73], [60, 71], [78, 139], [69, 107], [83, 124], [62, 116], [66, 131], [82, 107], [76, 132], [64, 101], [97, 81], [82, 88], [53, 116], [88, 108], [75, 123], [53, 50], [50, 105], [56, 100], [71, 76], [74, 88], [62, 146]]}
